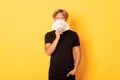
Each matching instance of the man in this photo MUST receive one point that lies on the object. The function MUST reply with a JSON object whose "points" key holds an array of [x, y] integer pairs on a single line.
{"points": [[60, 45]]}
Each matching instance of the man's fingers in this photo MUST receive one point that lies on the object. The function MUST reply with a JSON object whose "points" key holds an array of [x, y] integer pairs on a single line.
{"points": [[68, 74]]}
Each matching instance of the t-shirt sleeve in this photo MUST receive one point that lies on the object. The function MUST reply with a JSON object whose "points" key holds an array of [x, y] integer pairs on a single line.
{"points": [[48, 38], [76, 41]]}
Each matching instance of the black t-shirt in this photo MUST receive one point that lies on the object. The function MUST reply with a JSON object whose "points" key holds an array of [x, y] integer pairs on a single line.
{"points": [[63, 54]]}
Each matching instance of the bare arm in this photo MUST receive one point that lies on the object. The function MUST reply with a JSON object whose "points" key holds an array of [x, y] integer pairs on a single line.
{"points": [[78, 57], [77, 60], [50, 48]]}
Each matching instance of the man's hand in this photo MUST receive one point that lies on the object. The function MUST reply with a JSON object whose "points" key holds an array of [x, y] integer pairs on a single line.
{"points": [[72, 72], [58, 32]]}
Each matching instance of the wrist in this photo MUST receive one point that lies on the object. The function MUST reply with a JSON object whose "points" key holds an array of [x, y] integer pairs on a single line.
{"points": [[75, 68], [57, 37]]}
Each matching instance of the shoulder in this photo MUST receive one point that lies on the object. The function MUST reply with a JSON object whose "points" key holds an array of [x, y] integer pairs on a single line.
{"points": [[50, 33], [72, 32]]}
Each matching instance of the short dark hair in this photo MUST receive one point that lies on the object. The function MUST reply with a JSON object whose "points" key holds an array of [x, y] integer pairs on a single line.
{"points": [[65, 13]]}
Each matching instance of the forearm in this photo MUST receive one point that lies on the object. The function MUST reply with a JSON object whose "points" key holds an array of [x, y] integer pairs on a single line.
{"points": [[77, 61], [50, 49], [78, 57]]}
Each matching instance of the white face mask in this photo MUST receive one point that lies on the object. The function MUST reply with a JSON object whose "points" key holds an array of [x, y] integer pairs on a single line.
{"points": [[60, 24]]}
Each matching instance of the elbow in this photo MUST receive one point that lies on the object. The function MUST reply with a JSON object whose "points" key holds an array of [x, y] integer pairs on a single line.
{"points": [[48, 53]]}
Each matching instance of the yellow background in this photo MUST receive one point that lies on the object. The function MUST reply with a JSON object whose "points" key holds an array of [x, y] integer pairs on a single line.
{"points": [[23, 24]]}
